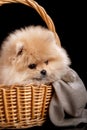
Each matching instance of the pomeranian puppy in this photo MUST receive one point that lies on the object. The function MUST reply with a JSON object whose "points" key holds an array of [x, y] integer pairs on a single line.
{"points": [[31, 55]]}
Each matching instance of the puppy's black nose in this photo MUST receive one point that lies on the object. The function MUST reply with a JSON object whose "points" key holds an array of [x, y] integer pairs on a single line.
{"points": [[43, 72]]}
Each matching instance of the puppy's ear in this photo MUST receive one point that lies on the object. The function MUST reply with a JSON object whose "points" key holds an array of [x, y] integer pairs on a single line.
{"points": [[19, 48]]}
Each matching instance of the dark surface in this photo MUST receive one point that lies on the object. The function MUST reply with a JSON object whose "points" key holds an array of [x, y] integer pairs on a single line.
{"points": [[69, 18]]}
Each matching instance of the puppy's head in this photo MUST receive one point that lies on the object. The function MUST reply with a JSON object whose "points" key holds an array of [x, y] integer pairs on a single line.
{"points": [[33, 56]]}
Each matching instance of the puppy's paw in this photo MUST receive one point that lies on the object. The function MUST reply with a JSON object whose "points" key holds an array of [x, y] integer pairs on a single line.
{"points": [[69, 76]]}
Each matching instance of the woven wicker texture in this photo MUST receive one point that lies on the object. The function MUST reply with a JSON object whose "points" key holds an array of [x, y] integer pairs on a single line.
{"points": [[26, 106]]}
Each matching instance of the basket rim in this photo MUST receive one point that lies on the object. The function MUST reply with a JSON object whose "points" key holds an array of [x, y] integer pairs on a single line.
{"points": [[4, 86]]}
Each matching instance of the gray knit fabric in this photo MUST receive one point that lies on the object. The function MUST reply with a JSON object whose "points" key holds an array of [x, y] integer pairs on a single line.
{"points": [[70, 96]]}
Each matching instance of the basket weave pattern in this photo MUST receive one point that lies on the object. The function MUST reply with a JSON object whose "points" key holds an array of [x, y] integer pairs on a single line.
{"points": [[23, 106]]}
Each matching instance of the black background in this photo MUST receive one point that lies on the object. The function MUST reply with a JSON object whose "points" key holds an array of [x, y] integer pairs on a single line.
{"points": [[69, 18]]}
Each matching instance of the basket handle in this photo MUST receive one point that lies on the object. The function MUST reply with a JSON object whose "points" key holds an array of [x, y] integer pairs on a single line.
{"points": [[41, 11]]}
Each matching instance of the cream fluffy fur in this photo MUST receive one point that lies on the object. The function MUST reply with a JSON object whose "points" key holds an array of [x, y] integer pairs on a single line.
{"points": [[31, 55]]}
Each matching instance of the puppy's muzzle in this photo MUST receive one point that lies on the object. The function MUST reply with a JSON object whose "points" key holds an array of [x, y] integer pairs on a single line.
{"points": [[43, 72]]}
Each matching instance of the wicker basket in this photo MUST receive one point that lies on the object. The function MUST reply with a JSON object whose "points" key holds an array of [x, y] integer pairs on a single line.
{"points": [[26, 106]]}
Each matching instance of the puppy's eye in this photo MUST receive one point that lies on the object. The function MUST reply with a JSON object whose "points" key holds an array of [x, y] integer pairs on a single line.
{"points": [[46, 62], [32, 66]]}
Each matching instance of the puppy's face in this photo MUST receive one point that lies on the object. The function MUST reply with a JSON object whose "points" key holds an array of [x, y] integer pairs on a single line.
{"points": [[34, 57]]}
